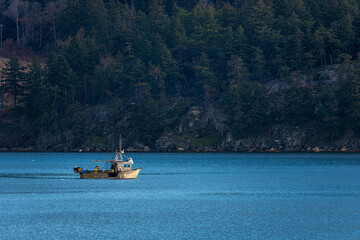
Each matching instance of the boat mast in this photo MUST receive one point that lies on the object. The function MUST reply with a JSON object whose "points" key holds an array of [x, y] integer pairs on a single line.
{"points": [[120, 148]]}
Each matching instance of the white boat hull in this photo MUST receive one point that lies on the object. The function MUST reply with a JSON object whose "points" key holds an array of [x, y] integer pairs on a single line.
{"points": [[130, 174]]}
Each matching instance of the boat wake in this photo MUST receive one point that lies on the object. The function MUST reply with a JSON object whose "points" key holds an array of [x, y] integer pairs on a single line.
{"points": [[180, 173], [38, 175], [156, 174]]}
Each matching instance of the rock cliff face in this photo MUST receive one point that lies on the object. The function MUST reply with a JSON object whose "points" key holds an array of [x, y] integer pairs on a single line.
{"points": [[280, 138], [199, 129]]}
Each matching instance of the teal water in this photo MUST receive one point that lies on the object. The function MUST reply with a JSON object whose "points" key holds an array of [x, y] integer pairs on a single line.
{"points": [[182, 196]]}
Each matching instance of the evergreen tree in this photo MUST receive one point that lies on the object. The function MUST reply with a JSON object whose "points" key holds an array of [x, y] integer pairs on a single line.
{"points": [[298, 100], [36, 100], [82, 56], [247, 101], [131, 72], [13, 80], [60, 81], [206, 85], [91, 15], [145, 122], [349, 93]]}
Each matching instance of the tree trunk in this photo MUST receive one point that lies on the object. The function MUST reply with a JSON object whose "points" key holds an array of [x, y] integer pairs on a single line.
{"points": [[66, 100], [40, 37], [23, 35], [85, 90], [54, 26], [32, 30], [17, 32]]}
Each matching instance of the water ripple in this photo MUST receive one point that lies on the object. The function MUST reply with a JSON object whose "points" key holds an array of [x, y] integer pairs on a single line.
{"points": [[283, 194]]}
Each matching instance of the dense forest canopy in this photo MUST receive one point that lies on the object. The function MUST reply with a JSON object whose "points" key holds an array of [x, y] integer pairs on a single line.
{"points": [[154, 55]]}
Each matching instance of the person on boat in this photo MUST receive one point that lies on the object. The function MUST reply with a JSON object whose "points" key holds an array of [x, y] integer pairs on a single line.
{"points": [[112, 167], [77, 169], [97, 168]]}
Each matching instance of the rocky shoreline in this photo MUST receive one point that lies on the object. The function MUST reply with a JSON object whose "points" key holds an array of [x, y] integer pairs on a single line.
{"points": [[210, 150], [235, 148]]}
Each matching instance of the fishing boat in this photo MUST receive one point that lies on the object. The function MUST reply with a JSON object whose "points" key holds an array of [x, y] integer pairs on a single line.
{"points": [[121, 168]]}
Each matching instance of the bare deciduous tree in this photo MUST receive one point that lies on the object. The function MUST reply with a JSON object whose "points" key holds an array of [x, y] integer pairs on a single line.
{"points": [[29, 20], [3, 5], [53, 10], [14, 12], [35, 16], [26, 21]]}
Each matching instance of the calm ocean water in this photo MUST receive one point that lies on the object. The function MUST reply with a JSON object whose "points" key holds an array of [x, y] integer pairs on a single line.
{"points": [[182, 196]]}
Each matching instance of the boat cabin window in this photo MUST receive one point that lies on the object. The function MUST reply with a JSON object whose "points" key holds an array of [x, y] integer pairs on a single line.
{"points": [[126, 165]]}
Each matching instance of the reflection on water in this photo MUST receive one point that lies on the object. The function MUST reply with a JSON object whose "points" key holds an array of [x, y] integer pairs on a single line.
{"points": [[182, 196]]}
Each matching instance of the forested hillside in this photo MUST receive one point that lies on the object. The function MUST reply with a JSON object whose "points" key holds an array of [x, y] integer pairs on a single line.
{"points": [[240, 75]]}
